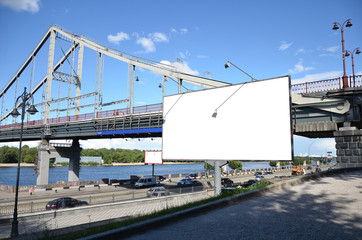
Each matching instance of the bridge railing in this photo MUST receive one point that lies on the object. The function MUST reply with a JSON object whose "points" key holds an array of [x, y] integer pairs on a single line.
{"points": [[325, 85], [308, 87], [89, 116]]}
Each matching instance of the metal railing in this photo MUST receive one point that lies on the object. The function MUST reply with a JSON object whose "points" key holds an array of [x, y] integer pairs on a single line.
{"points": [[307, 87], [90, 116], [38, 206], [325, 85]]}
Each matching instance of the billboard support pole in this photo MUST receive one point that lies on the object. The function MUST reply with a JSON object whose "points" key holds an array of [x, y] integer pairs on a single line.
{"points": [[153, 169], [217, 178], [217, 175]]}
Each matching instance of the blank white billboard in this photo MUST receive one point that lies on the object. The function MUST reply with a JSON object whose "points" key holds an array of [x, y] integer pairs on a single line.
{"points": [[249, 121], [153, 157]]}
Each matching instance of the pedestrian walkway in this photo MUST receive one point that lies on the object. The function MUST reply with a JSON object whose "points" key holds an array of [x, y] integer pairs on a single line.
{"points": [[325, 208]]}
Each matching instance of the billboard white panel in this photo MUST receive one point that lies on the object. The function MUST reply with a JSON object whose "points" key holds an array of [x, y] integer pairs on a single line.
{"points": [[249, 121], [153, 157]]}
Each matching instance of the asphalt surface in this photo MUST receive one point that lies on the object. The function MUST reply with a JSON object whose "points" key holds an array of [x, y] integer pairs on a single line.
{"points": [[325, 208]]}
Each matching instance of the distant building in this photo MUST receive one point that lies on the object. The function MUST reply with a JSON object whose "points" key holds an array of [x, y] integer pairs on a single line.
{"points": [[98, 160]]}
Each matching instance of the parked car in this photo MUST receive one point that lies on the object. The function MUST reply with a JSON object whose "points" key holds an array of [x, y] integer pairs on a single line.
{"points": [[188, 182], [157, 192], [259, 178], [227, 182], [160, 178], [309, 168], [65, 202], [258, 173], [249, 183], [192, 175], [268, 173], [146, 181]]}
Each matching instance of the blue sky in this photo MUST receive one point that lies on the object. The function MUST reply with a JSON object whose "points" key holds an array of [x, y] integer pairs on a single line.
{"points": [[264, 38]]}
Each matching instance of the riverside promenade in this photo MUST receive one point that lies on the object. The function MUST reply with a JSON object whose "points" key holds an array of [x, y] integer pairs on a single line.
{"points": [[324, 206]]}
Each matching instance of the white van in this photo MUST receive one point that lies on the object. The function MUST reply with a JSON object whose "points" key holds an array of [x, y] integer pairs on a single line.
{"points": [[146, 181]]}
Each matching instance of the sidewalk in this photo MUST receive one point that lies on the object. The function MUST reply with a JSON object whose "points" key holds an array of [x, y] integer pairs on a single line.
{"points": [[325, 208]]}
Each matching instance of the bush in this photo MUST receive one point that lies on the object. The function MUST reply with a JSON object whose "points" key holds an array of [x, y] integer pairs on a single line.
{"points": [[236, 165]]}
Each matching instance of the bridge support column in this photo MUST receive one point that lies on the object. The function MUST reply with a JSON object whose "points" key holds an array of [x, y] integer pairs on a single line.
{"points": [[43, 163], [349, 147], [74, 161]]}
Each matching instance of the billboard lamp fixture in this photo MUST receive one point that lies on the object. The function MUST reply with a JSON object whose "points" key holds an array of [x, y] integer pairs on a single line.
{"points": [[227, 64]]}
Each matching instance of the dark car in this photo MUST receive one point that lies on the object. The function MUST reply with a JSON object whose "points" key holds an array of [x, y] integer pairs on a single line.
{"points": [[227, 182], [192, 175], [249, 183], [309, 168], [160, 178], [268, 173], [258, 173], [66, 202]]}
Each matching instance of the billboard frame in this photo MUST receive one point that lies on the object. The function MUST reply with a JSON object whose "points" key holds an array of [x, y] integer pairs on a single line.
{"points": [[289, 132]]}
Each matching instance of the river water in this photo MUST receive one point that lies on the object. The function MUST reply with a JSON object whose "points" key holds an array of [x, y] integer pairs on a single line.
{"points": [[8, 174]]}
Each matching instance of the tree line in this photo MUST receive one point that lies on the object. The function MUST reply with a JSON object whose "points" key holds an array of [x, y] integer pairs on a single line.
{"points": [[30, 155]]}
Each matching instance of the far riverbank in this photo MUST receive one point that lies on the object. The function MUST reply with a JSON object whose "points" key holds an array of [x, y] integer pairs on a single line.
{"points": [[113, 164]]}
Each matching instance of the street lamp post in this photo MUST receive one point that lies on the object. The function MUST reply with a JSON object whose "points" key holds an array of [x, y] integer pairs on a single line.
{"points": [[356, 51], [227, 64], [309, 150], [335, 27], [32, 110]]}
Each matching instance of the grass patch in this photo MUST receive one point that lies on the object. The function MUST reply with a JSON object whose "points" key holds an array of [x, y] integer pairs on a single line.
{"points": [[110, 226]]}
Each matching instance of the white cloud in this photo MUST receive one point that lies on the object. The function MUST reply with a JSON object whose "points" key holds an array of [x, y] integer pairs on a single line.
{"points": [[185, 55], [299, 68], [158, 37], [332, 49], [202, 56], [300, 50], [181, 67], [327, 144], [184, 30], [22, 5], [136, 34], [285, 45], [317, 77], [173, 30], [147, 44], [118, 37]]}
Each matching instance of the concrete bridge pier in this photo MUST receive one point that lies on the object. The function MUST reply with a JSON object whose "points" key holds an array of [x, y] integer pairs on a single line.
{"points": [[348, 146], [74, 161], [43, 162], [47, 151]]}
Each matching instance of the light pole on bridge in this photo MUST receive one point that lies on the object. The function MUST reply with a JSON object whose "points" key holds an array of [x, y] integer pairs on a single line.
{"points": [[31, 110], [356, 51], [347, 23]]}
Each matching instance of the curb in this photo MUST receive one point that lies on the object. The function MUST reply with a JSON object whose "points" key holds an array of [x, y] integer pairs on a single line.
{"points": [[124, 232]]}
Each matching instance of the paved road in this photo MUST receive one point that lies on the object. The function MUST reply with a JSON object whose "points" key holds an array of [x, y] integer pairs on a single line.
{"points": [[326, 208]]}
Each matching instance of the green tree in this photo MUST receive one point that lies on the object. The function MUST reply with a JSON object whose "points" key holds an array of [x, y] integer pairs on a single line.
{"points": [[236, 165], [8, 154], [208, 167], [282, 163], [28, 159]]}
